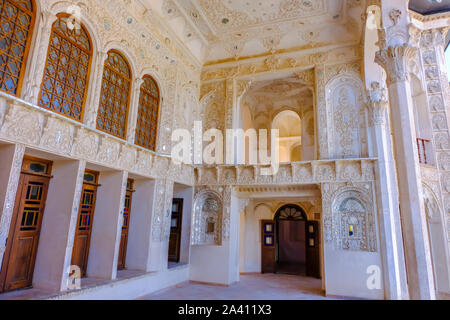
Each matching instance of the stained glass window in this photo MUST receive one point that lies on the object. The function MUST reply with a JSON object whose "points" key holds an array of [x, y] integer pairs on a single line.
{"points": [[66, 75], [114, 98], [16, 24], [148, 112]]}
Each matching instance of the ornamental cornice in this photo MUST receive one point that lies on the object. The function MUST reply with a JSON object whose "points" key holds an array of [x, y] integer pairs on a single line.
{"points": [[300, 60], [300, 173]]}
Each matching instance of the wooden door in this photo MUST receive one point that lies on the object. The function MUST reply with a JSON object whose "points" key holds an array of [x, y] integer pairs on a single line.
{"points": [[312, 249], [125, 226], [175, 230], [268, 247], [85, 221], [22, 243]]}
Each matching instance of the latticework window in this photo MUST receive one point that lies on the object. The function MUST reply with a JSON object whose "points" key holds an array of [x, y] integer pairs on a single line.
{"points": [[16, 25], [147, 120], [66, 76], [114, 98]]}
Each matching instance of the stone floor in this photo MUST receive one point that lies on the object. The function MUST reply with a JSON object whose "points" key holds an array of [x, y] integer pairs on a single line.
{"points": [[86, 283], [250, 287]]}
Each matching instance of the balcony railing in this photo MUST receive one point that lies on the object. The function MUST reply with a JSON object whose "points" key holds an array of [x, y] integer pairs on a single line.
{"points": [[422, 145]]}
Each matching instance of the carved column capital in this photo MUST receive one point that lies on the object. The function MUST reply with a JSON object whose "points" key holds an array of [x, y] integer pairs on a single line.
{"points": [[377, 103], [395, 61], [377, 111]]}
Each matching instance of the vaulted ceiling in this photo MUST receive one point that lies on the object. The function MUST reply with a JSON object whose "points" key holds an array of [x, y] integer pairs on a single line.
{"points": [[222, 30], [217, 30]]}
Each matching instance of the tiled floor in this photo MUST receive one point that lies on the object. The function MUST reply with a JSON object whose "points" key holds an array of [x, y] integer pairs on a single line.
{"points": [[250, 287]]}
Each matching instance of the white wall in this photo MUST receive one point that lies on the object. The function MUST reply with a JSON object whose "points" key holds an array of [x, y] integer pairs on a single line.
{"points": [[187, 196], [346, 273], [252, 252], [210, 263], [218, 264]]}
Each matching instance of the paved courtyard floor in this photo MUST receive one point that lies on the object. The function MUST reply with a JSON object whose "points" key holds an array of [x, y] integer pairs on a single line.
{"points": [[250, 287]]}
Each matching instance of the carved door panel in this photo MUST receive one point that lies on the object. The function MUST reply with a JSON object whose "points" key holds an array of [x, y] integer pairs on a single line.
{"points": [[312, 249], [268, 247], [80, 253], [125, 226], [23, 240], [175, 230]]}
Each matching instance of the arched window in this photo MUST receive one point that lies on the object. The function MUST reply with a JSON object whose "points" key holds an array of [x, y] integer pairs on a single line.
{"points": [[115, 95], [148, 112], [66, 75], [16, 21]]}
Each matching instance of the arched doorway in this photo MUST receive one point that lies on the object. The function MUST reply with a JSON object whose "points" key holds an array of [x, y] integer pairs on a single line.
{"points": [[290, 224], [290, 243]]}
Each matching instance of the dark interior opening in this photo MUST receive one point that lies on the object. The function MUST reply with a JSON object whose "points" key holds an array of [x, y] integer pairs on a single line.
{"points": [[291, 240]]}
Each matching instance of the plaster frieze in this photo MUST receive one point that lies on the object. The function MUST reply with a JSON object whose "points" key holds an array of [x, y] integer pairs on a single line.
{"points": [[298, 173], [41, 129]]}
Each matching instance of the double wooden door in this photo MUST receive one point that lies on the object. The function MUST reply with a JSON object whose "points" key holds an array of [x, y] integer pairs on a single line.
{"points": [[175, 230], [80, 253], [269, 248], [23, 240], [125, 225]]}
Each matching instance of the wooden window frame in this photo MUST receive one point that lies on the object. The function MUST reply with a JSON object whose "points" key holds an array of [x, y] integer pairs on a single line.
{"points": [[86, 87], [129, 94], [26, 53], [158, 112]]}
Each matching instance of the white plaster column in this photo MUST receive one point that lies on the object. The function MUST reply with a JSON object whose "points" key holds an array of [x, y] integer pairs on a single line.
{"points": [[58, 226], [321, 121], [32, 86], [394, 60], [140, 233], [133, 109], [107, 226], [10, 167], [237, 208], [160, 233], [396, 286], [91, 108]]}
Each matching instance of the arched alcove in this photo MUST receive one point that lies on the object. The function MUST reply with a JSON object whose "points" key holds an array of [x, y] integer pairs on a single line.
{"points": [[207, 222], [289, 125], [353, 222], [286, 104]]}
